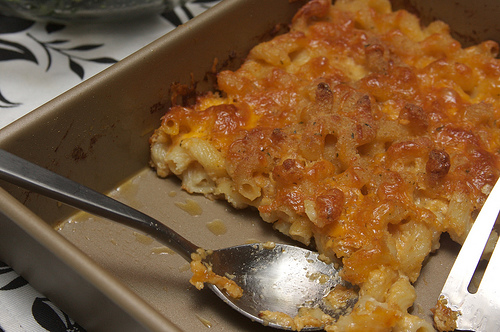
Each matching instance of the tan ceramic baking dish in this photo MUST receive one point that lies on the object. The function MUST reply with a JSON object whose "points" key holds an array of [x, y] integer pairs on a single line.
{"points": [[108, 277]]}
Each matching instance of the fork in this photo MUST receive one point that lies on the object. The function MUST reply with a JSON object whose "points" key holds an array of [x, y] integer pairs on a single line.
{"points": [[476, 311]]}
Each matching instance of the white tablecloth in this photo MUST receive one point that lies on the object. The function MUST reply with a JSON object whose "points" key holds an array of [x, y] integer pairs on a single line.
{"points": [[39, 61]]}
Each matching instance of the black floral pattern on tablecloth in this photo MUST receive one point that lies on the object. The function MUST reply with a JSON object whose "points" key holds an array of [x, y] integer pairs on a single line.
{"points": [[15, 51], [176, 20], [46, 314], [73, 54], [12, 51], [51, 318], [15, 283], [76, 54]]}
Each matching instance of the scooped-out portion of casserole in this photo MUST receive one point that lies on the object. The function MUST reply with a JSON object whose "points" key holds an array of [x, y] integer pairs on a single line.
{"points": [[359, 131]]}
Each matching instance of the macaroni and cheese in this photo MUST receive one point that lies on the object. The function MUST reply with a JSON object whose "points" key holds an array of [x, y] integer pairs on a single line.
{"points": [[359, 131]]}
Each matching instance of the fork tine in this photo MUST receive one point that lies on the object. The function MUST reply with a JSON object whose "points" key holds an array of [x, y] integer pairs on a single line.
{"points": [[479, 311], [488, 295], [491, 278], [472, 249]]}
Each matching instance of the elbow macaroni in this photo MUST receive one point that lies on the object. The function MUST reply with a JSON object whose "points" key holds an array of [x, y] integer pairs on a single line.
{"points": [[359, 131]]}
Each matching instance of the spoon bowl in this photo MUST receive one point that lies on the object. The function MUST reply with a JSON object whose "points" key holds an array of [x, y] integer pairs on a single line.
{"points": [[278, 278], [274, 277]]}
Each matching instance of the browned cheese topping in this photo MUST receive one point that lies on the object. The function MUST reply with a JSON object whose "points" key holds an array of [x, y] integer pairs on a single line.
{"points": [[359, 131]]}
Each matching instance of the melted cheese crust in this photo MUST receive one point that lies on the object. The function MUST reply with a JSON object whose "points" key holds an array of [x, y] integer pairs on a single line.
{"points": [[360, 131]]}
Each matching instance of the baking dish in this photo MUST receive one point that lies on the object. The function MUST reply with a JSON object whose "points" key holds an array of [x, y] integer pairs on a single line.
{"points": [[110, 278]]}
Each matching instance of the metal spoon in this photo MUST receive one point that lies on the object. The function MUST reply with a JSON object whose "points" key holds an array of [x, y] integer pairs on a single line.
{"points": [[282, 278]]}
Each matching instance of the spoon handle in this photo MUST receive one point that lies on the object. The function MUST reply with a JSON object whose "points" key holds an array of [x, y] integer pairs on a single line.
{"points": [[27, 175]]}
